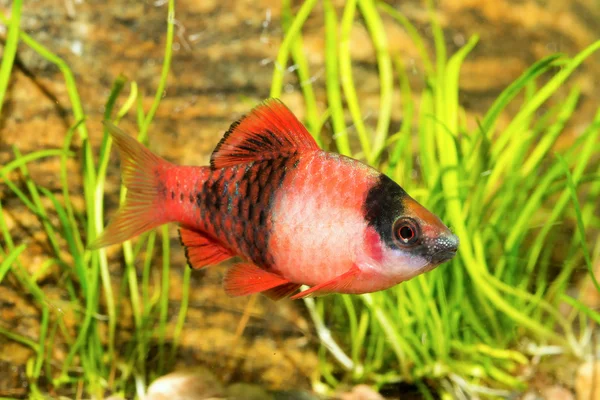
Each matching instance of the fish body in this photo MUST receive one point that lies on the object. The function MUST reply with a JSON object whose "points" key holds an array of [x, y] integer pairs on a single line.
{"points": [[295, 214]]}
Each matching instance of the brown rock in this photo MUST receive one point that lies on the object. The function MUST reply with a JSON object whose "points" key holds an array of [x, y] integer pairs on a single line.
{"points": [[196, 384], [557, 393], [587, 381], [361, 392], [244, 391]]}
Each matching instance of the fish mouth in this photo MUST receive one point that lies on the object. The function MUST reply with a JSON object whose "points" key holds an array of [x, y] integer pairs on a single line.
{"points": [[446, 247], [443, 256]]}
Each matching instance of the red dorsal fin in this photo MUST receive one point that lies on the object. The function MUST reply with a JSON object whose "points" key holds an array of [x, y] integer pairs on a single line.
{"points": [[245, 279], [267, 131], [335, 285], [201, 250]]}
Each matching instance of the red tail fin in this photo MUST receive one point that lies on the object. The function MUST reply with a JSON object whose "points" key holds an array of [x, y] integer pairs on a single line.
{"points": [[140, 212]]}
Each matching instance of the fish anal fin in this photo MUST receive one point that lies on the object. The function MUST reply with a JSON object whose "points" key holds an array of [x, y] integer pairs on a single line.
{"points": [[245, 279], [268, 130], [201, 250], [282, 291], [335, 285]]}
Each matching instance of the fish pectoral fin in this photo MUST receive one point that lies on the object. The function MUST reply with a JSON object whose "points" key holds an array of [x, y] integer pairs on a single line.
{"points": [[245, 279], [282, 291], [267, 131], [201, 250], [337, 284]]}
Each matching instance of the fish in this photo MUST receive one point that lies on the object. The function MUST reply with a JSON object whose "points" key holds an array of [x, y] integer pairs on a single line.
{"points": [[292, 213]]}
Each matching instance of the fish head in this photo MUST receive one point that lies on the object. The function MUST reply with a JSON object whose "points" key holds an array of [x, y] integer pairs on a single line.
{"points": [[408, 239]]}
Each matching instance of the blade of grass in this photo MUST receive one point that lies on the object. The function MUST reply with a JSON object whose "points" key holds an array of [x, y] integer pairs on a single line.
{"points": [[581, 307], [166, 66], [286, 45], [347, 80], [37, 202], [164, 300], [185, 296], [406, 129], [508, 94], [9, 259], [10, 48], [304, 77], [386, 79], [412, 33], [20, 339], [572, 190], [36, 155], [541, 96], [334, 96]]}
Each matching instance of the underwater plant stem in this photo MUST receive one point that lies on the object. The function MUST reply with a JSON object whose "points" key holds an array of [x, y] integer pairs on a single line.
{"points": [[10, 48], [162, 83], [164, 299], [334, 95], [572, 190], [6, 264], [74, 98], [386, 78], [347, 80], [413, 33], [326, 338], [294, 30], [185, 298], [304, 76], [397, 342]]}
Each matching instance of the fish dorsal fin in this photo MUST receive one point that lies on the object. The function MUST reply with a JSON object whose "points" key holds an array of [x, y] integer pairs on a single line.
{"points": [[267, 131]]}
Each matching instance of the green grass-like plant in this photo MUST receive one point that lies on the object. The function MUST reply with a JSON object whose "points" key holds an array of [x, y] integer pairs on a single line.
{"points": [[98, 361], [463, 329], [459, 329]]}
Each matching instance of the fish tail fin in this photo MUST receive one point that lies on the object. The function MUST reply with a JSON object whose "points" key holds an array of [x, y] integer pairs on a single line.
{"points": [[141, 211]]}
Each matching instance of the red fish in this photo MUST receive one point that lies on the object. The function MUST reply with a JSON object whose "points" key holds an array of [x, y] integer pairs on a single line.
{"points": [[295, 214]]}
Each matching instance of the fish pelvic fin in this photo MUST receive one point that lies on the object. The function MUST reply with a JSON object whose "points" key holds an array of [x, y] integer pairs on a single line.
{"points": [[201, 250], [244, 279], [282, 291], [268, 131], [140, 170]]}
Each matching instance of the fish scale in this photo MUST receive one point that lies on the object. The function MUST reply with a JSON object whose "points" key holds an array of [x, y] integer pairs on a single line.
{"points": [[245, 228]]}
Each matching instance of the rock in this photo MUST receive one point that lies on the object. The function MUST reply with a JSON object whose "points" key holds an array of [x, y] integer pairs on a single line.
{"points": [[196, 384], [557, 393], [587, 381], [293, 395], [361, 392], [246, 391]]}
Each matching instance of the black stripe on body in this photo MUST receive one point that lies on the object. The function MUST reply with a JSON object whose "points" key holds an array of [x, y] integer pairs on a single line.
{"points": [[243, 196]]}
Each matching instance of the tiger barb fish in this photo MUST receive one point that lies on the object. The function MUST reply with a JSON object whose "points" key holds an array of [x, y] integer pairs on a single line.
{"points": [[296, 215]]}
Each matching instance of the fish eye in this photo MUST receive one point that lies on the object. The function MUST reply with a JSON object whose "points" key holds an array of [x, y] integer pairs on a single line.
{"points": [[406, 231]]}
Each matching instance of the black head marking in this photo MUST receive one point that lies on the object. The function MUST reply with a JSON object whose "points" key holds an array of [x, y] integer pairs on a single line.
{"points": [[383, 205]]}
